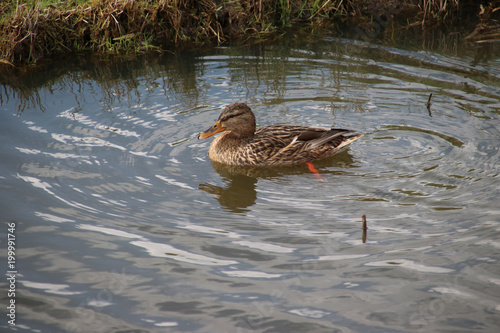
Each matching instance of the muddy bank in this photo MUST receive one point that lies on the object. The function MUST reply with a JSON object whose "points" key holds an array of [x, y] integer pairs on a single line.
{"points": [[36, 30]]}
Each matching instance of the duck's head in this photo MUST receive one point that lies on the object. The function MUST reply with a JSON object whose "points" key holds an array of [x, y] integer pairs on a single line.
{"points": [[236, 118]]}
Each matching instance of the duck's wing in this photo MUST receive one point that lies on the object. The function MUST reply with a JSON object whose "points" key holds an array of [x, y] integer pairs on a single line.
{"points": [[327, 136], [289, 144], [310, 137]]}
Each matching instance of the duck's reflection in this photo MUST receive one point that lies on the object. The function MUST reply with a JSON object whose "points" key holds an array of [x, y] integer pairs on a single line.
{"points": [[238, 195], [240, 190]]}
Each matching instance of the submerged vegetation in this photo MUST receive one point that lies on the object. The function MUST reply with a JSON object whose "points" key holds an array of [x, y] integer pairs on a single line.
{"points": [[31, 30]]}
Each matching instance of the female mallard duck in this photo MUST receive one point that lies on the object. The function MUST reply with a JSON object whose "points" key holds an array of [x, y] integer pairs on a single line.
{"points": [[241, 144]]}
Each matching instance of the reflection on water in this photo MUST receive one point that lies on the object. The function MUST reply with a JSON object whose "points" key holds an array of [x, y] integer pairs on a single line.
{"points": [[239, 194], [454, 141], [125, 225], [110, 81], [240, 191]]}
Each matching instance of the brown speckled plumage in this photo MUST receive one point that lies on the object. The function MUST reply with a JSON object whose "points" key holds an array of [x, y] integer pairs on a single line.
{"points": [[242, 144]]}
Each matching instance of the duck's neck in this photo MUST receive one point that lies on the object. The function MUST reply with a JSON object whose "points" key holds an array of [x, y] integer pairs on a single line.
{"points": [[240, 137], [226, 147]]}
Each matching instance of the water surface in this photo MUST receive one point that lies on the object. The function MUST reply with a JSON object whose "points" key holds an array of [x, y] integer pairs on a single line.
{"points": [[123, 224]]}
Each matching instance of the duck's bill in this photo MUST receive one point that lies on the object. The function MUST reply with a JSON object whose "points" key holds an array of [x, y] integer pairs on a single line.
{"points": [[216, 128]]}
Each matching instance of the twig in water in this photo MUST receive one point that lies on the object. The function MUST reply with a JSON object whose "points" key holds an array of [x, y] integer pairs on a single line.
{"points": [[428, 105], [365, 228]]}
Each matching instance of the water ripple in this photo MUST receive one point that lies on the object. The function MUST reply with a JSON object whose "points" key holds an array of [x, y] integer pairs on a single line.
{"points": [[115, 199], [409, 264]]}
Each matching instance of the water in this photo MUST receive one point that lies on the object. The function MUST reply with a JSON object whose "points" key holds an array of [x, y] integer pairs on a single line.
{"points": [[122, 223]]}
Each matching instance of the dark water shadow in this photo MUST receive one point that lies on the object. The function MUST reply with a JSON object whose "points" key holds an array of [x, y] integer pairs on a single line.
{"points": [[116, 79], [240, 190], [454, 141]]}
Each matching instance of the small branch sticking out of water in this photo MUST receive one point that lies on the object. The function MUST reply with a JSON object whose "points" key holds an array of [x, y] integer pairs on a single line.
{"points": [[428, 105], [365, 228]]}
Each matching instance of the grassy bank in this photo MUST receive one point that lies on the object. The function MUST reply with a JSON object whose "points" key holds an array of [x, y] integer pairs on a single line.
{"points": [[31, 30]]}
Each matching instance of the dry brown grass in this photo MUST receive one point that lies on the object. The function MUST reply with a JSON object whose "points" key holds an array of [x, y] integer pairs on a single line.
{"points": [[488, 28], [29, 32]]}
